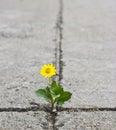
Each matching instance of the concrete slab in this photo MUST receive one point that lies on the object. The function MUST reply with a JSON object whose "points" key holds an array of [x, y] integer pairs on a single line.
{"points": [[86, 121], [26, 43], [23, 121], [89, 52]]}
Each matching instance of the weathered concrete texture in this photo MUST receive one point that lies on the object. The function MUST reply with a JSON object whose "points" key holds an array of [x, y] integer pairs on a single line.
{"points": [[23, 121], [26, 43], [89, 52], [86, 121], [27, 36]]}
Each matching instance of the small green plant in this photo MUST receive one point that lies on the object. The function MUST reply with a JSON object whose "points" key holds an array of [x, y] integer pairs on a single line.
{"points": [[53, 93]]}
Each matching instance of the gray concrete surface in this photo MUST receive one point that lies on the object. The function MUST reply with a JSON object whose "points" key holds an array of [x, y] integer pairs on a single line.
{"points": [[27, 33], [89, 55], [23, 121], [89, 52], [86, 121], [26, 43]]}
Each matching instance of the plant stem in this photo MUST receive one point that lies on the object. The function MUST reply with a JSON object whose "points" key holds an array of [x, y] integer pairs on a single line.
{"points": [[49, 81], [52, 106]]}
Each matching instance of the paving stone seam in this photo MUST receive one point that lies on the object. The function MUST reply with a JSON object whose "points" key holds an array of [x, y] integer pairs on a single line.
{"points": [[40, 107], [58, 41], [58, 54]]}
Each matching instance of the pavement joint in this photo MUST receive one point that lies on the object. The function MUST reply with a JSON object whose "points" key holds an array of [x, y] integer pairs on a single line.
{"points": [[58, 53], [58, 41], [46, 108], [87, 109]]}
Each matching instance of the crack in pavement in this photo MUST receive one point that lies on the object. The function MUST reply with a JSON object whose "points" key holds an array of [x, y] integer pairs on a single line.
{"points": [[11, 109], [58, 54], [92, 109], [46, 108], [35, 107], [58, 41]]}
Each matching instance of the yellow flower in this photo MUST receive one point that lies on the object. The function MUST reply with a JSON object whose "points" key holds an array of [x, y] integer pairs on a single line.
{"points": [[48, 70]]}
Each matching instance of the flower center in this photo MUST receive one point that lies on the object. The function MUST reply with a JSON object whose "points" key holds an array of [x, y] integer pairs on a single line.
{"points": [[47, 70]]}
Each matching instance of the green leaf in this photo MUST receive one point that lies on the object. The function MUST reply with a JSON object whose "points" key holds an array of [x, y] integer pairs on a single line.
{"points": [[42, 93], [56, 89], [54, 83], [45, 93], [48, 93], [65, 96]]}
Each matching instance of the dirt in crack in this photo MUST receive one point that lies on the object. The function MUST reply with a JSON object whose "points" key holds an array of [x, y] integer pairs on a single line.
{"points": [[87, 109], [47, 108], [52, 118], [58, 55], [34, 107], [58, 41]]}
